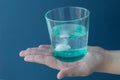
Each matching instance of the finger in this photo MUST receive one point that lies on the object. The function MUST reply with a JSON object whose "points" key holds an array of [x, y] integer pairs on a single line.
{"points": [[22, 54], [62, 73], [73, 71], [47, 60], [45, 46], [36, 51], [68, 72]]}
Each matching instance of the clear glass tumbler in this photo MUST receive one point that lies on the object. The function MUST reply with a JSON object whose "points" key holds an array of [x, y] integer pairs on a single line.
{"points": [[68, 30]]}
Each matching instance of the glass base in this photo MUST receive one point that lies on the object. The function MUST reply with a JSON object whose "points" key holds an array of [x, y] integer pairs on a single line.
{"points": [[70, 55], [70, 59]]}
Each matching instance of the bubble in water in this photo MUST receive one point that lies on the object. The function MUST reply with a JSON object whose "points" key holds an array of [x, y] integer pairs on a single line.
{"points": [[62, 47], [64, 35]]}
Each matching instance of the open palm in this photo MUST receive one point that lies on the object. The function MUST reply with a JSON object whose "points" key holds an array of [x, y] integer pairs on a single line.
{"points": [[84, 67]]}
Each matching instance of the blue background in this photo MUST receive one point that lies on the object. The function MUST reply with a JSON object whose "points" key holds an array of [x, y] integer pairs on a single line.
{"points": [[22, 25]]}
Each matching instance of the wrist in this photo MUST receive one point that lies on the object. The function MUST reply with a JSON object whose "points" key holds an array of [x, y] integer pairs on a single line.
{"points": [[109, 64], [106, 62]]}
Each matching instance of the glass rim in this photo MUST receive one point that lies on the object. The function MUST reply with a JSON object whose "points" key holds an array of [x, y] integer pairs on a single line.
{"points": [[72, 20]]}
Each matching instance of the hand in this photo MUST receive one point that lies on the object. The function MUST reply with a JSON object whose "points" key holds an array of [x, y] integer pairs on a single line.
{"points": [[43, 55]]}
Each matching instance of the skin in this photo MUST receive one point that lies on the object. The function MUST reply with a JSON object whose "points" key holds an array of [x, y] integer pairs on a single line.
{"points": [[97, 60]]}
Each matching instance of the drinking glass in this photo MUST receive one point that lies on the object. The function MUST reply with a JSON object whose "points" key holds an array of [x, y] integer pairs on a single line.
{"points": [[68, 29]]}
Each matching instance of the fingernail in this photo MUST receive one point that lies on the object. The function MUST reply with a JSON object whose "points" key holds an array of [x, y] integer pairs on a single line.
{"points": [[26, 58], [21, 54], [59, 77], [29, 49]]}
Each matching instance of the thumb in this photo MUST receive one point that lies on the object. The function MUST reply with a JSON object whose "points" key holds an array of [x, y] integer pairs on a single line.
{"points": [[73, 71], [64, 72]]}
